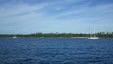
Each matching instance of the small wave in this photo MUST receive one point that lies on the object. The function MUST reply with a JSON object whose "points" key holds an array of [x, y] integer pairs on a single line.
{"points": [[19, 61]]}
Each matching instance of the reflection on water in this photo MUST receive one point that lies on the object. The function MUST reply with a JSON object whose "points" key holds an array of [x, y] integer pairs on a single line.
{"points": [[56, 51]]}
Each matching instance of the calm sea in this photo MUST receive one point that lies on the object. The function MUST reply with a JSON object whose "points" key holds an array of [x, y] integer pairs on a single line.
{"points": [[56, 51]]}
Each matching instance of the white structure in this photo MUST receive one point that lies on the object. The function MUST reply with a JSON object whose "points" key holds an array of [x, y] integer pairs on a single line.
{"points": [[93, 36], [14, 37]]}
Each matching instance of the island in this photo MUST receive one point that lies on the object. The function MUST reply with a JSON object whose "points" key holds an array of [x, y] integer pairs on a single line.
{"points": [[69, 35]]}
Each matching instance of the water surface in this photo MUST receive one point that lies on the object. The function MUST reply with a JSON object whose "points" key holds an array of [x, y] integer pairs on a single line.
{"points": [[56, 51]]}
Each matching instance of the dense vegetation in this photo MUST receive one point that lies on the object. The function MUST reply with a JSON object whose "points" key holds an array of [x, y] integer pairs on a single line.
{"points": [[99, 34]]}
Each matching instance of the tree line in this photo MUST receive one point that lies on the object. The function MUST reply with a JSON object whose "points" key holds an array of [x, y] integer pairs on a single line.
{"points": [[39, 34]]}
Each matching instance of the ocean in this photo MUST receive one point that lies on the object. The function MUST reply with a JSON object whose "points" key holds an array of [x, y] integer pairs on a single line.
{"points": [[56, 51]]}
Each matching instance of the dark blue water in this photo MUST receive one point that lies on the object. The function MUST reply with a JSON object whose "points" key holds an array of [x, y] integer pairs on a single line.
{"points": [[56, 51]]}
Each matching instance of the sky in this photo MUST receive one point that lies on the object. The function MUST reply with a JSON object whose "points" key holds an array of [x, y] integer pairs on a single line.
{"points": [[51, 16]]}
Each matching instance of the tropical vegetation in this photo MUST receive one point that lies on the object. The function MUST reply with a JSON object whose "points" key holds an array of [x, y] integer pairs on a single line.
{"points": [[40, 35]]}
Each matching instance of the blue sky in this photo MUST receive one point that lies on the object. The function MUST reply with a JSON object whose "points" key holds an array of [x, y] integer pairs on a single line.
{"points": [[75, 16]]}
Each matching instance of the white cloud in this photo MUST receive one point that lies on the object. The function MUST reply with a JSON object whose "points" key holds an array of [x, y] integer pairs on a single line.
{"points": [[41, 17], [19, 9], [88, 11]]}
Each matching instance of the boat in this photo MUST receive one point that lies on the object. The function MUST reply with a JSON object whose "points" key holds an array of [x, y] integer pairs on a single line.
{"points": [[93, 36], [14, 37]]}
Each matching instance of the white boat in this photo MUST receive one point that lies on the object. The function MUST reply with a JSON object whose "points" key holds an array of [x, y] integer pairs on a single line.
{"points": [[14, 37], [93, 36]]}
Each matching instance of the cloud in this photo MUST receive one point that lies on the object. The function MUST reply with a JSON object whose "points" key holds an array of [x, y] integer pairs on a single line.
{"points": [[19, 9], [54, 16], [88, 11]]}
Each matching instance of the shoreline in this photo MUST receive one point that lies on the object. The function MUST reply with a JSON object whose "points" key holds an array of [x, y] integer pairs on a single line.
{"points": [[53, 37]]}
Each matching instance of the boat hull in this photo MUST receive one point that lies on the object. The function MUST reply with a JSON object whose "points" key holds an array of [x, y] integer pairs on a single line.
{"points": [[93, 38]]}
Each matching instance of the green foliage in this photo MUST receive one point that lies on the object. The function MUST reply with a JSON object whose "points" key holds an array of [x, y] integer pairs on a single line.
{"points": [[40, 35]]}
